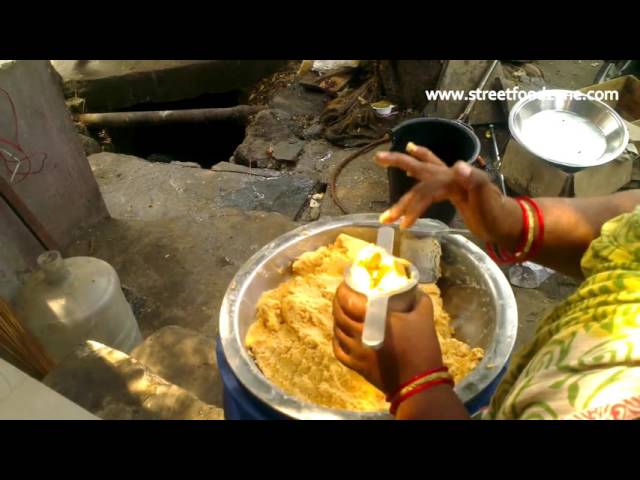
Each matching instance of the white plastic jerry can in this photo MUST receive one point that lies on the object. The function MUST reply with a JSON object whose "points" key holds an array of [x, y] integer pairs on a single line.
{"points": [[68, 301]]}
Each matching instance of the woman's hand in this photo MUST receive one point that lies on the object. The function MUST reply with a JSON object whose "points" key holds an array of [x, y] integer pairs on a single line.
{"points": [[410, 346], [486, 212]]}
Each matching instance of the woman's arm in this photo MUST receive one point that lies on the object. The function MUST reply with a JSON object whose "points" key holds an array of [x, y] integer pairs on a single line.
{"points": [[437, 403], [411, 347], [570, 223]]}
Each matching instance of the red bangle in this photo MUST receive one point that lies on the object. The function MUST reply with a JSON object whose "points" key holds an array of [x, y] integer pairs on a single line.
{"points": [[537, 244], [502, 257], [415, 378], [421, 388], [491, 250]]}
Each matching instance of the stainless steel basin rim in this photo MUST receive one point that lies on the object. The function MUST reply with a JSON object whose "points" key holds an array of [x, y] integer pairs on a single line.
{"points": [[246, 371]]}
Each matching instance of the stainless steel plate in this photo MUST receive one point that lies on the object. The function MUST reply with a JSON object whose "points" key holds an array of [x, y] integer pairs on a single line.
{"points": [[568, 128]]}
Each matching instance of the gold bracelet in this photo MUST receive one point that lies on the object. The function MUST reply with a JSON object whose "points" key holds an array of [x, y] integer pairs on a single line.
{"points": [[423, 380], [531, 233]]}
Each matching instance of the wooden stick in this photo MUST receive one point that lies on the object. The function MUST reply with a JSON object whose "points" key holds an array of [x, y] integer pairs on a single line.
{"points": [[25, 215]]}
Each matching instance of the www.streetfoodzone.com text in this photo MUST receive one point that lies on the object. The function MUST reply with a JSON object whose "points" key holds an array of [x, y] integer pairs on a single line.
{"points": [[515, 94]]}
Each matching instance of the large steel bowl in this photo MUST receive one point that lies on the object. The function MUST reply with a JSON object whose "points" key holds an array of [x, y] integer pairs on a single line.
{"points": [[568, 128], [475, 292]]}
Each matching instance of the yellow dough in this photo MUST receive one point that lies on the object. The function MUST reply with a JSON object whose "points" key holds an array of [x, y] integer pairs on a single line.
{"points": [[291, 339]]}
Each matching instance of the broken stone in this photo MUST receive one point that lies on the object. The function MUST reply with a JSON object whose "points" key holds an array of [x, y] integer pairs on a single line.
{"points": [[286, 194], [89, 145], [269, 128], [298, 101], [185, 358], [287, 151], [312, 132], [113, 386]]}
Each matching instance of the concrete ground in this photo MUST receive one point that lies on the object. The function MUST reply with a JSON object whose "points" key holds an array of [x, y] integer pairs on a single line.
{"points": [[179, 234], [570, 74], [106, 85], [173, 239]]}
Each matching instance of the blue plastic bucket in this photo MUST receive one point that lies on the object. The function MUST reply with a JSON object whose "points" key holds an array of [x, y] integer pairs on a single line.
{"points": [[241, 404]]}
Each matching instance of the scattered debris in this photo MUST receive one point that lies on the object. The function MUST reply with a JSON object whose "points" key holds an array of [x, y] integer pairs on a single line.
{"points": [[529, 274], [267, 86], [329, 65]]}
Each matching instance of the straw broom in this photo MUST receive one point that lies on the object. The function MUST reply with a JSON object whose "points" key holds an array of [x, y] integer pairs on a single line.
{"points": [[21, 344]]}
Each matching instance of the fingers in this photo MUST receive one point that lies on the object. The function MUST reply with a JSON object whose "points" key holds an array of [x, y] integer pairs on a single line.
{"points": [[414, 203], [352, 305], [349, 327], [347, 344], [422, 309], [424, 154], [424, 305], [342, 356], [415, 209], [412, 166], [398, 209], [469, 177]]}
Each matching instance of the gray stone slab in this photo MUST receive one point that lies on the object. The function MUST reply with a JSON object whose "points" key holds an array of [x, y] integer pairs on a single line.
{"points": [[137, 189], [107, 85], [286, 194]]}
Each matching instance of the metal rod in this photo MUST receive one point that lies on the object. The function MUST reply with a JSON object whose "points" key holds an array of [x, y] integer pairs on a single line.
{"points": [[464, 116], [498, 162], [240, 113]]}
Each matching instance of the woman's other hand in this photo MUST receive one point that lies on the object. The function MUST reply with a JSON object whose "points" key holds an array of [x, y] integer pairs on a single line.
{"points": [[486, 212], [410, 346]]}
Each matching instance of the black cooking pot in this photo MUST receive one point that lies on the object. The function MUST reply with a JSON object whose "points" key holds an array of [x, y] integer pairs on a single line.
{"points": [[451, 140]]}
